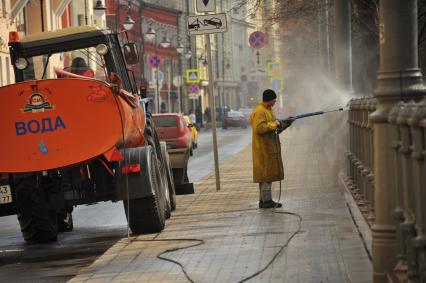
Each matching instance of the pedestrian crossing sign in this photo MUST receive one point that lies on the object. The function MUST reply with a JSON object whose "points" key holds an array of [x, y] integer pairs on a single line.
{"points": [[273, 69], [192, 75]]}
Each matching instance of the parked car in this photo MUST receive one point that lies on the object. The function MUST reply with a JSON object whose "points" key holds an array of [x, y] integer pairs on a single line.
{"points": [[247, 112], [194, 131], [234, 118], [174, 130]]}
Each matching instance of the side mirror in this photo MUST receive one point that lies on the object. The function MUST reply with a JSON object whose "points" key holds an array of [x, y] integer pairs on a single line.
{"points": [[130, 53]]}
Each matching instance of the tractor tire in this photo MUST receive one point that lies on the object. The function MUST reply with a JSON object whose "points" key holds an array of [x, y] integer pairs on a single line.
{"points": [[166, 186], [169, 176], [167, 205], [147, 215], [38, 223], [65, 221]]}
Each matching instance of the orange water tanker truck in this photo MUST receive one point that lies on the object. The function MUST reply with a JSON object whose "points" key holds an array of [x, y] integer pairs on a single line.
{"points": [[76, 130]]}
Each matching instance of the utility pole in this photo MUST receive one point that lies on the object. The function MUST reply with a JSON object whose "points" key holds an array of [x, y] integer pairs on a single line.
{"points": [[399, 78]]}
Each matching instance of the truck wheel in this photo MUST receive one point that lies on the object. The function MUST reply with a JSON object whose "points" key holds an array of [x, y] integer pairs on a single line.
{"points": [[169, 176], [167, 205], [161, 150], [147, 215], [38, 223], [65, 222]]}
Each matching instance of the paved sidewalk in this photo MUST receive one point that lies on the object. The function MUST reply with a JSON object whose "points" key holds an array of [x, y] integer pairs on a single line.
{"points": [[238, 239]]}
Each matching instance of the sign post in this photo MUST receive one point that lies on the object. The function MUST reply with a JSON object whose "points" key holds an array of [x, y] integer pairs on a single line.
{"points": [[154, 62], [213, 113], [177, 82], [207, 24]]}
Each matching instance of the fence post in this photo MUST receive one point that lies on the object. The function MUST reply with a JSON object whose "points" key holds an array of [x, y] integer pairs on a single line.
{"points": [[408, 228], [418, 154]]}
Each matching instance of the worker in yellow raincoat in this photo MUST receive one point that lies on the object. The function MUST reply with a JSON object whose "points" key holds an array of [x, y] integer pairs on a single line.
{"points": [[266, 148]]}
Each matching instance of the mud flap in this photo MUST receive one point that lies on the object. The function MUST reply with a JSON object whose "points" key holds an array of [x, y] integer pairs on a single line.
{"points": [[132, 181], [184, 189]]}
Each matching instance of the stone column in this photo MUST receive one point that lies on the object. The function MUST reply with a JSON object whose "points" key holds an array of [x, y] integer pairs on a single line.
{"points": [[398, 78]]}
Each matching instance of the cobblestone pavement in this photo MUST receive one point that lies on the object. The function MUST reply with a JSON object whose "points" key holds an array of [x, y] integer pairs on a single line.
{"points": [[233, 239]]}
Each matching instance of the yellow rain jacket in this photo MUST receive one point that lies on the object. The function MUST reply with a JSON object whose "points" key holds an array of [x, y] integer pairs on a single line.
{"points": [[266, 148]]}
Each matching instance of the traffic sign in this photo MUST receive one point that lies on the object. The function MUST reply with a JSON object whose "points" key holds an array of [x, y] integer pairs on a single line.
{"points": [[258, 39], [192, 75], [273, 69], [154, 61], [277, 84], [193, 91], [159, 75], [204, 24], [177, 81], [206, 6]]}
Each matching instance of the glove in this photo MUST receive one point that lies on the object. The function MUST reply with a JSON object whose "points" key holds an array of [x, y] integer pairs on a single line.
{"points": [[284, 125]]}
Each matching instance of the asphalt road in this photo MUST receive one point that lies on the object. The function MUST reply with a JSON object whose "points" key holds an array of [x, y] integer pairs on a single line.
{"points": [[96, 227]]}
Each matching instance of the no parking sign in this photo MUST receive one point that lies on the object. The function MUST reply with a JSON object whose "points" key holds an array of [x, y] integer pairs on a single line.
{"points": [[154, 61], [193, 91], [258, 39]]}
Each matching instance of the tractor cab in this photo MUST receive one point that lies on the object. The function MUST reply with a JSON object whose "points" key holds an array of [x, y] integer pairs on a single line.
{"points": [[78, 52]]}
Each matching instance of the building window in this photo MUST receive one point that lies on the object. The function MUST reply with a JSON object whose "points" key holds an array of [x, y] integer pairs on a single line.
{"points": [[81, 20]]}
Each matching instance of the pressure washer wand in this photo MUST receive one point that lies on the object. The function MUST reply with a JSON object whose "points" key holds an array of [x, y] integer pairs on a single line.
{"points": [[292, 118]]}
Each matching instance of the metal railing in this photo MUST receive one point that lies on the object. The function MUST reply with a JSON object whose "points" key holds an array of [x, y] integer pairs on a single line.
{"points": [[360, 155], [408, 152]]}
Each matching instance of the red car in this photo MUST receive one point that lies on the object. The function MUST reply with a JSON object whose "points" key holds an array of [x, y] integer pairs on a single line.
{"points": [[174, 130]]}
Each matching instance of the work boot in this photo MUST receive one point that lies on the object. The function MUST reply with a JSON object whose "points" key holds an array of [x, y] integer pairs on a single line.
{"points": [[269, 204]]}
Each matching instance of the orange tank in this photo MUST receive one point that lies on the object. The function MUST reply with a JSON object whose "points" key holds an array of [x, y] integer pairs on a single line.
{"points": [[50, 124]]}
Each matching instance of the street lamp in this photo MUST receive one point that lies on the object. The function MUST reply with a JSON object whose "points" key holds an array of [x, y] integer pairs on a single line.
{"points": [[128, 22], [188, 54], [179, 47], [99, 8], [150, 34], [165, 43]]}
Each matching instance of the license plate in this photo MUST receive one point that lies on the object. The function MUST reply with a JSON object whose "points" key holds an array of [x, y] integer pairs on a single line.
{"points": [[5, 194]]}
